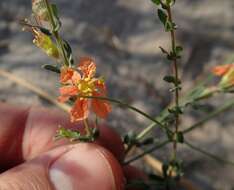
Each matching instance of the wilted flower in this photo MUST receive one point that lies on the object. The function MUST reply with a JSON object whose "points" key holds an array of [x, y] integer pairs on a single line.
{"points": [[45, 43], [39, 9], [76, 85]]}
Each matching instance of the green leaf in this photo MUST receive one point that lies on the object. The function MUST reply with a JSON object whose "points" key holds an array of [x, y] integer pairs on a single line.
{"points": [[68, 50], [67, 133], [157, 2], [171, 79], [162, 16], [180, 137], [53, 68], [175, 110], [178, 51], [54, 9], [55, 15]]}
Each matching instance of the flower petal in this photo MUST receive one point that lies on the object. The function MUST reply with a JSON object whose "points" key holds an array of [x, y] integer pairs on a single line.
{"points": [[66, 74], [87, 67], [68, 91], [100, 87], [80, 110], [101, 107], [222, 69], [63, 98], [76, 77]]}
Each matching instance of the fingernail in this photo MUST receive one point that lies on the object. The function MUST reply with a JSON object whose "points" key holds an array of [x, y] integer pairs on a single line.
{"points": [[59, 177], [83, 168], [60, 180]]}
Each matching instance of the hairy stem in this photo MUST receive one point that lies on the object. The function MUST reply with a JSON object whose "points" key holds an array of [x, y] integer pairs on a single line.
{"points": [[173, 46]]}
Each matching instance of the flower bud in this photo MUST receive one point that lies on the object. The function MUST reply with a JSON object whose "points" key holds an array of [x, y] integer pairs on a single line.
{"points": [[45, 43], [227, 80]]}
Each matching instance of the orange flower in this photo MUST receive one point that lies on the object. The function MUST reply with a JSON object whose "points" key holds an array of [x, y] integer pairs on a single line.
{"points": [[227, 73], [77, 84], [221, 70]]}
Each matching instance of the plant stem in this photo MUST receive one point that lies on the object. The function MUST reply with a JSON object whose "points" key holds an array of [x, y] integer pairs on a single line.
{"points": [[208, 154], [186, 100], [87, 129], [55, 33], [127, 106], [147, 152], [228, 105], [173, 46]]}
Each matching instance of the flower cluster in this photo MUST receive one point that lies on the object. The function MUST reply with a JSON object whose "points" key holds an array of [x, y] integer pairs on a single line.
{"points": [[227, 74], [80, 85]]}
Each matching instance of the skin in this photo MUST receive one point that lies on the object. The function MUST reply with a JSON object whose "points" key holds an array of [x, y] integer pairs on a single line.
{"points": [[31, 160]]}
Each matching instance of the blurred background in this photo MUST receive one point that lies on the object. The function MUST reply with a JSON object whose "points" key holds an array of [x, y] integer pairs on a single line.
{"points": [[123, 37]]}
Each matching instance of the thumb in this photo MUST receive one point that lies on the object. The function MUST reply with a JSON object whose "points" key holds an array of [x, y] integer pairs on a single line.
{"points": [[83, 166]]}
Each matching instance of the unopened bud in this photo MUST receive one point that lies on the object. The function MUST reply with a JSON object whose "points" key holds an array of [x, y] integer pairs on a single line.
{"points": [[228, 79]]}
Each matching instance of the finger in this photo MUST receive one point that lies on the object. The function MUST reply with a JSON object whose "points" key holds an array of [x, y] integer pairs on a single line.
{"points": [[26, 133], [111, 140], [83, 166], [132, 173]]}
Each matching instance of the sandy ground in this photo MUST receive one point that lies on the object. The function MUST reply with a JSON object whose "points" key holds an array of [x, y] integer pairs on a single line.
{"points": [[123, 37]]}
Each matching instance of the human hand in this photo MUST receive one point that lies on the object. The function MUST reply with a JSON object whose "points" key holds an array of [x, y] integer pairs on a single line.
{"points": [[30, 158]]}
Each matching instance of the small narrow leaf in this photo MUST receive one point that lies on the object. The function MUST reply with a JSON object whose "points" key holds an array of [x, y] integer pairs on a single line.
{"points": [[68, 50], [54, 10], [163, 50], [162, 16], [171, 79], [53, 68], [55, 15], [178, 51], [180, 137]]}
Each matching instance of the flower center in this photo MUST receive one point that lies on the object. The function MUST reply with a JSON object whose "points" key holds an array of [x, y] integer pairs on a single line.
{"points": [[86, 86]]}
